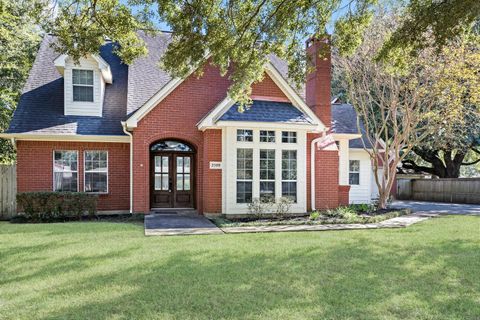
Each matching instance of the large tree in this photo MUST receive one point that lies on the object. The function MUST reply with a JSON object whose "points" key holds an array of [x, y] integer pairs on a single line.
{"points": [[244, 32], [393, 105], [19, 39], [456, 70]]}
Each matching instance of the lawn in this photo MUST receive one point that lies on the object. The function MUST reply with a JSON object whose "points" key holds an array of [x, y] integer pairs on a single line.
{"points": [[106, 270]]}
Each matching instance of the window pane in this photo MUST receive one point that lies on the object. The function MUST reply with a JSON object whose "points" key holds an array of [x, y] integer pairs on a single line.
{"points": [[354, 178], [81, 93], [267, 190], [96, 182], [84, 77], [355, 165], [164, 164], [289, 137], [179, 164], [289, 190], [267, 136], [158, 182], [157, 161], [186, 182], [165, 182], [244, 192], [244, 135], [179, 181], [65, 181], [186, 164]]}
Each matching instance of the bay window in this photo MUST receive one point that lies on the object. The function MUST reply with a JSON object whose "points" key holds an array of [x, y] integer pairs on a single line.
{"points": [[96, 171], [65, 171]]}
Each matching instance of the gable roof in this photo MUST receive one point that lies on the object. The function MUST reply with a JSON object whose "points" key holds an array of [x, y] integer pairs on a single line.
{"points": [[41, 107], [344, 120], [267, 111]]}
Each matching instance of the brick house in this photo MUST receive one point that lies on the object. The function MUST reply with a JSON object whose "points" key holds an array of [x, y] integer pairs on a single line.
{"points": [[144, 141]]}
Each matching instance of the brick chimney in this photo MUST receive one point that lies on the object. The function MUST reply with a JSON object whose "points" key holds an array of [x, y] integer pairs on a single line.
{"points": [[318, 83]]}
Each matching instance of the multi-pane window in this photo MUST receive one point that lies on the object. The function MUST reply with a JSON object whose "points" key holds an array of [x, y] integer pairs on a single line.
{"points": [[183, 173], [96, 171], [289, 137], [82, 85], [267, 175], [244, 175], [289, 174], [354, 175], [244, 135], [267, 136], [65, 171]]}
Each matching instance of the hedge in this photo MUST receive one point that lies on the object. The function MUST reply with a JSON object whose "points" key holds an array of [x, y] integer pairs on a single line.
{"points": [[54, 206]]}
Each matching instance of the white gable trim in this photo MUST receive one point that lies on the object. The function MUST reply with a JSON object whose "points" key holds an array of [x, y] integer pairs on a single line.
{"points": [[210, 120], [104, 67]]}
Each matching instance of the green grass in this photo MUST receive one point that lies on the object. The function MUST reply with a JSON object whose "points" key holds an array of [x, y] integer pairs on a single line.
{"points": [[103, 270]]}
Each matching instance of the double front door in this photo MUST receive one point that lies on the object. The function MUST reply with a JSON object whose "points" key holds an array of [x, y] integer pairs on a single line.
{"points": [[172, 184]]}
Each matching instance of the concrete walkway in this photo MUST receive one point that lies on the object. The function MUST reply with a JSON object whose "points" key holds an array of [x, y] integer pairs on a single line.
{"points": [[438, 207], [178, 224]]}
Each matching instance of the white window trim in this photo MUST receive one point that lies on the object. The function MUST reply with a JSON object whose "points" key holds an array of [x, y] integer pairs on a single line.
{"points": [[229, 169], [85, 171], [84, 85], [53, 169], [357, 172], [281, 177], [274, 180]]}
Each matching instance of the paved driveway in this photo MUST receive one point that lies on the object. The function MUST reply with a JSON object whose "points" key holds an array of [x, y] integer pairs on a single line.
{"points": [[438, 207]]}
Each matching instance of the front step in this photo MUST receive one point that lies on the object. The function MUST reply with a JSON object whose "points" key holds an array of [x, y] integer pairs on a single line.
{"points": [[171, 211]]}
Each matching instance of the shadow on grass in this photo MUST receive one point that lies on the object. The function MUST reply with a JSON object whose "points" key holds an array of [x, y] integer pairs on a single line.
{"points": [[361, 275]]}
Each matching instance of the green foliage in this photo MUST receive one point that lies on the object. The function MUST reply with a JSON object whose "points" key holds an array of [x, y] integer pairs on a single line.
{"points": [[429, 23], [314, 215], [54, 206], [346, 213], [19, 40]]}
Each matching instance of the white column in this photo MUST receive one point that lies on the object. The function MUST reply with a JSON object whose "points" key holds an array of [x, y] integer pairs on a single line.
{"points": [[343, 161]]}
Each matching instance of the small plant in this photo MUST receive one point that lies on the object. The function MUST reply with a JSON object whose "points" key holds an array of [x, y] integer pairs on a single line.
{"points": [[259, 207], [346, 213], [314, 215], [362, 207], [283, 207]]}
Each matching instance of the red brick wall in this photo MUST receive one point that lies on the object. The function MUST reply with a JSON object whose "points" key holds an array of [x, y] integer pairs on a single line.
{"points": [[326, 175], [318, 88], [343, 195], [35, 169], [176, 117]]}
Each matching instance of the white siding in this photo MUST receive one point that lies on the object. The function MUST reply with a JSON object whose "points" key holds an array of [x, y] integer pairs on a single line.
{"points": [[230, 145], [362, 193], [84, 108]]}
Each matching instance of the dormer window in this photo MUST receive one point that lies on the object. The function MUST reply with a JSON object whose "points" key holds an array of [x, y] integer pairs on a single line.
{"points": [[82, 81]]}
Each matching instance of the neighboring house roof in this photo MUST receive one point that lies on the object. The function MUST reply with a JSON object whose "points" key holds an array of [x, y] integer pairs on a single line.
{"points": [[267, 111], [344, 120], [41, 106]]}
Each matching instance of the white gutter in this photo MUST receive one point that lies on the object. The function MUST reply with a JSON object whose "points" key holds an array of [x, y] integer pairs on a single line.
{"points": [[124, 127], [14, 143], [312, 169]]}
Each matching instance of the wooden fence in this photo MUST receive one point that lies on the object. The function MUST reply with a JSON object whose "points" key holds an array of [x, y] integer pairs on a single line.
{"points": [[461, 190], [8, 190]]}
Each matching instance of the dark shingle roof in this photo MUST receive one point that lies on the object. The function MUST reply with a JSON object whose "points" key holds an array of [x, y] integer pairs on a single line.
{"points": [[344, 120], [41, 106], [145, 78], [267, 111]]}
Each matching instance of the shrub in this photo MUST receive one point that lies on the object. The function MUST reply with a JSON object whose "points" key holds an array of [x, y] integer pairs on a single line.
{"points": [[314, 215], [346, 213], [282, 208], [259, 207], [362, 207], [54, 206]]}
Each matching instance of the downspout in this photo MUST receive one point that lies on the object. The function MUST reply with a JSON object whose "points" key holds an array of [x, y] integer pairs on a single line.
{"points": [[124, 127], [14, 143], [312, 169]]}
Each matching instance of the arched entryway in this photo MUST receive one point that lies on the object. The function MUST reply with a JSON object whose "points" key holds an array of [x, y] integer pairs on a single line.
{"points": [[172, 183]]}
